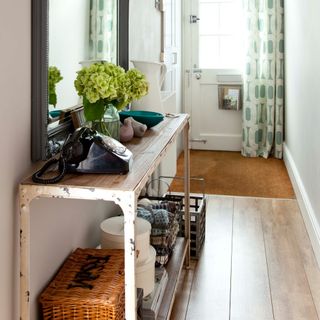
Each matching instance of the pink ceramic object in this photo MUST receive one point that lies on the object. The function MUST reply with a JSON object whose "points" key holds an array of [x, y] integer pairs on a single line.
{"points": [[139, 128], [126, 131]]}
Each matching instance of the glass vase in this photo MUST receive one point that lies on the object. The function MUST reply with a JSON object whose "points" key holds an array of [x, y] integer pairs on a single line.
{"points": [[109, 125]]}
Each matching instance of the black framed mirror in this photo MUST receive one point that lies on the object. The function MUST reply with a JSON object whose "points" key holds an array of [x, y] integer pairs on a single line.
{"points": [[46, 140]]}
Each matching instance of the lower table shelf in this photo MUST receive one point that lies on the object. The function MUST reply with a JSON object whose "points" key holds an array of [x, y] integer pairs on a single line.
{"points": [[173, 268], [123, 190]]}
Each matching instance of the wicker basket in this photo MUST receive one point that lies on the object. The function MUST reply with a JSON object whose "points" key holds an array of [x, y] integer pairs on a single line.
{"points": [[90, 285]]}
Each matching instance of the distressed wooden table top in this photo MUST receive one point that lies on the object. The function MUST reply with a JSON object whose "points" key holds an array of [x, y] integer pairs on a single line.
{"points": [[147, 154]]}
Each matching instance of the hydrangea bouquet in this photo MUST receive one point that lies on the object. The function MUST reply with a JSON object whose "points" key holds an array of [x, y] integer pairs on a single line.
{"points": [[103, 83]]}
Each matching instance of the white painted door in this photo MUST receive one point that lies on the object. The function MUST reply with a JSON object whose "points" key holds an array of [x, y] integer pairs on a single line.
{"points": [[171, 90], [212, 59]]}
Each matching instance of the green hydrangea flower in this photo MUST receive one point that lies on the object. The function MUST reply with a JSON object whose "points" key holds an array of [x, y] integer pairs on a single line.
{"points": [[138, 86], [54, 76], [103, 83]]}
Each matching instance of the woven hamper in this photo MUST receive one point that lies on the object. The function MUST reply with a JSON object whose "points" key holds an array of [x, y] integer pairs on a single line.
{"points": [[89, 286]]}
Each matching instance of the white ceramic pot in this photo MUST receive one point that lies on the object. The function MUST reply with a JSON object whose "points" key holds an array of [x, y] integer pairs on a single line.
{"points": [[112, 236], [145, 273]]}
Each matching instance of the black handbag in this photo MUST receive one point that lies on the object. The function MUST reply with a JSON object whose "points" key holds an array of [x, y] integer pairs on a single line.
{"points": [[87, 151]]}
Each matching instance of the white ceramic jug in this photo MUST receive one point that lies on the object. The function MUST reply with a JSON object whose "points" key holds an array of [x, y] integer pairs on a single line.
{"points": [[155, 73]]}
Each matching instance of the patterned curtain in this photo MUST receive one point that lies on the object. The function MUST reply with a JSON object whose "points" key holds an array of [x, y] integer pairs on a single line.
{"points": [[263, 105], [103, 30]]}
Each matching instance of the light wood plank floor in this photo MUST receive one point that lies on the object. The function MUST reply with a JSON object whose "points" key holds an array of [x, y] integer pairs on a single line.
{"points": [[257, 264]]}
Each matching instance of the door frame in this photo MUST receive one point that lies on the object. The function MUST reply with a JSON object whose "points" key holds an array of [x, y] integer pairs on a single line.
{"points": [[187, 37]]}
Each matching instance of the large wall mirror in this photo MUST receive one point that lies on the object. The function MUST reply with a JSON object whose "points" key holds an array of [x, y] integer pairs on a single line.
{"points": [[67, 34]]}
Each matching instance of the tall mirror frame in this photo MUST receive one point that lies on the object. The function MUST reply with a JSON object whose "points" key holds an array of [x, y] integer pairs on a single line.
{"points": [[39, 66]]}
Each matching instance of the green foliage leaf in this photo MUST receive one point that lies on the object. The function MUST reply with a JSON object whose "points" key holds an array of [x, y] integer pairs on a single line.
{"points": [[93, 111], [53, 98]]}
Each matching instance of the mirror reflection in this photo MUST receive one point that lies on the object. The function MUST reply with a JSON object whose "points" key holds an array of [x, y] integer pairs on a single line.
{"points": [[80, 31], [66, 35]]}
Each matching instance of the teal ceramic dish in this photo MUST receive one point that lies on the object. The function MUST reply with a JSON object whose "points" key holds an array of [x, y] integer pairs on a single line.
{"points": [[55, 113], [149, 118]]}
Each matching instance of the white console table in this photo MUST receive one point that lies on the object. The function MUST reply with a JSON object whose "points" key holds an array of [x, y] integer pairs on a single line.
{"points": [[124, 191]]}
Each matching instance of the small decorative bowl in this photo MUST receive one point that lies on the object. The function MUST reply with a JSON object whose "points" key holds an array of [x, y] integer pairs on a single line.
{"points": [[55, 113], [149, 118]]}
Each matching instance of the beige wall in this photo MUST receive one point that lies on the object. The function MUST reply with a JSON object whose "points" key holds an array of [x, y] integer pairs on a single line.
{"points": [[14, 139], [57, 226]]}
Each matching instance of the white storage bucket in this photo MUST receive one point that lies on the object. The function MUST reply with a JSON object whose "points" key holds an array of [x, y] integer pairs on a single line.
{"points": [[112, 236], [145, 273]]}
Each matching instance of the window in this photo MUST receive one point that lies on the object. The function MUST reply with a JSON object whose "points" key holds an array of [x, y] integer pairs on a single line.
{"points": [[220, 34]]}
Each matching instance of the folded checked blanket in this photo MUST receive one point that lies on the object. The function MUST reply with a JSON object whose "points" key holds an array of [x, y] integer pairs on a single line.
{"points": [[164, 229], [159, 218]]}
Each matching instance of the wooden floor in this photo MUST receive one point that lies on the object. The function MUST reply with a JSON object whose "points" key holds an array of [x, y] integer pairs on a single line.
{"points": [[257, 264]]}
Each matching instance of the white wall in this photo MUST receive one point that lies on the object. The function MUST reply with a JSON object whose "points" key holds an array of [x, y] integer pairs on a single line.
{"points": [[144, 31], [68, 223], [302, 131], [145, 44], [68, 45]]}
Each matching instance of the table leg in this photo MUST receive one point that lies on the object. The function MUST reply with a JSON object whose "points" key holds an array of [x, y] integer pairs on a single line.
{"points": [[24, 255], [128, 207], [187, 189]]}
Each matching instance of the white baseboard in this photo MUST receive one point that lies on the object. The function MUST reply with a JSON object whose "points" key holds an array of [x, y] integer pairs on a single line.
{"points": [[218, 141], [307, 211]]}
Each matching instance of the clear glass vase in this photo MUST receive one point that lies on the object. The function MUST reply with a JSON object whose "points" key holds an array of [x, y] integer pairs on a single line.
{"points": [[109, 125]]}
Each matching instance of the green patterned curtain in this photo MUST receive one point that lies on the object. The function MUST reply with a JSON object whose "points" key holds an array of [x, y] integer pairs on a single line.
{"points": [[263, 105], [103, 30]]}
